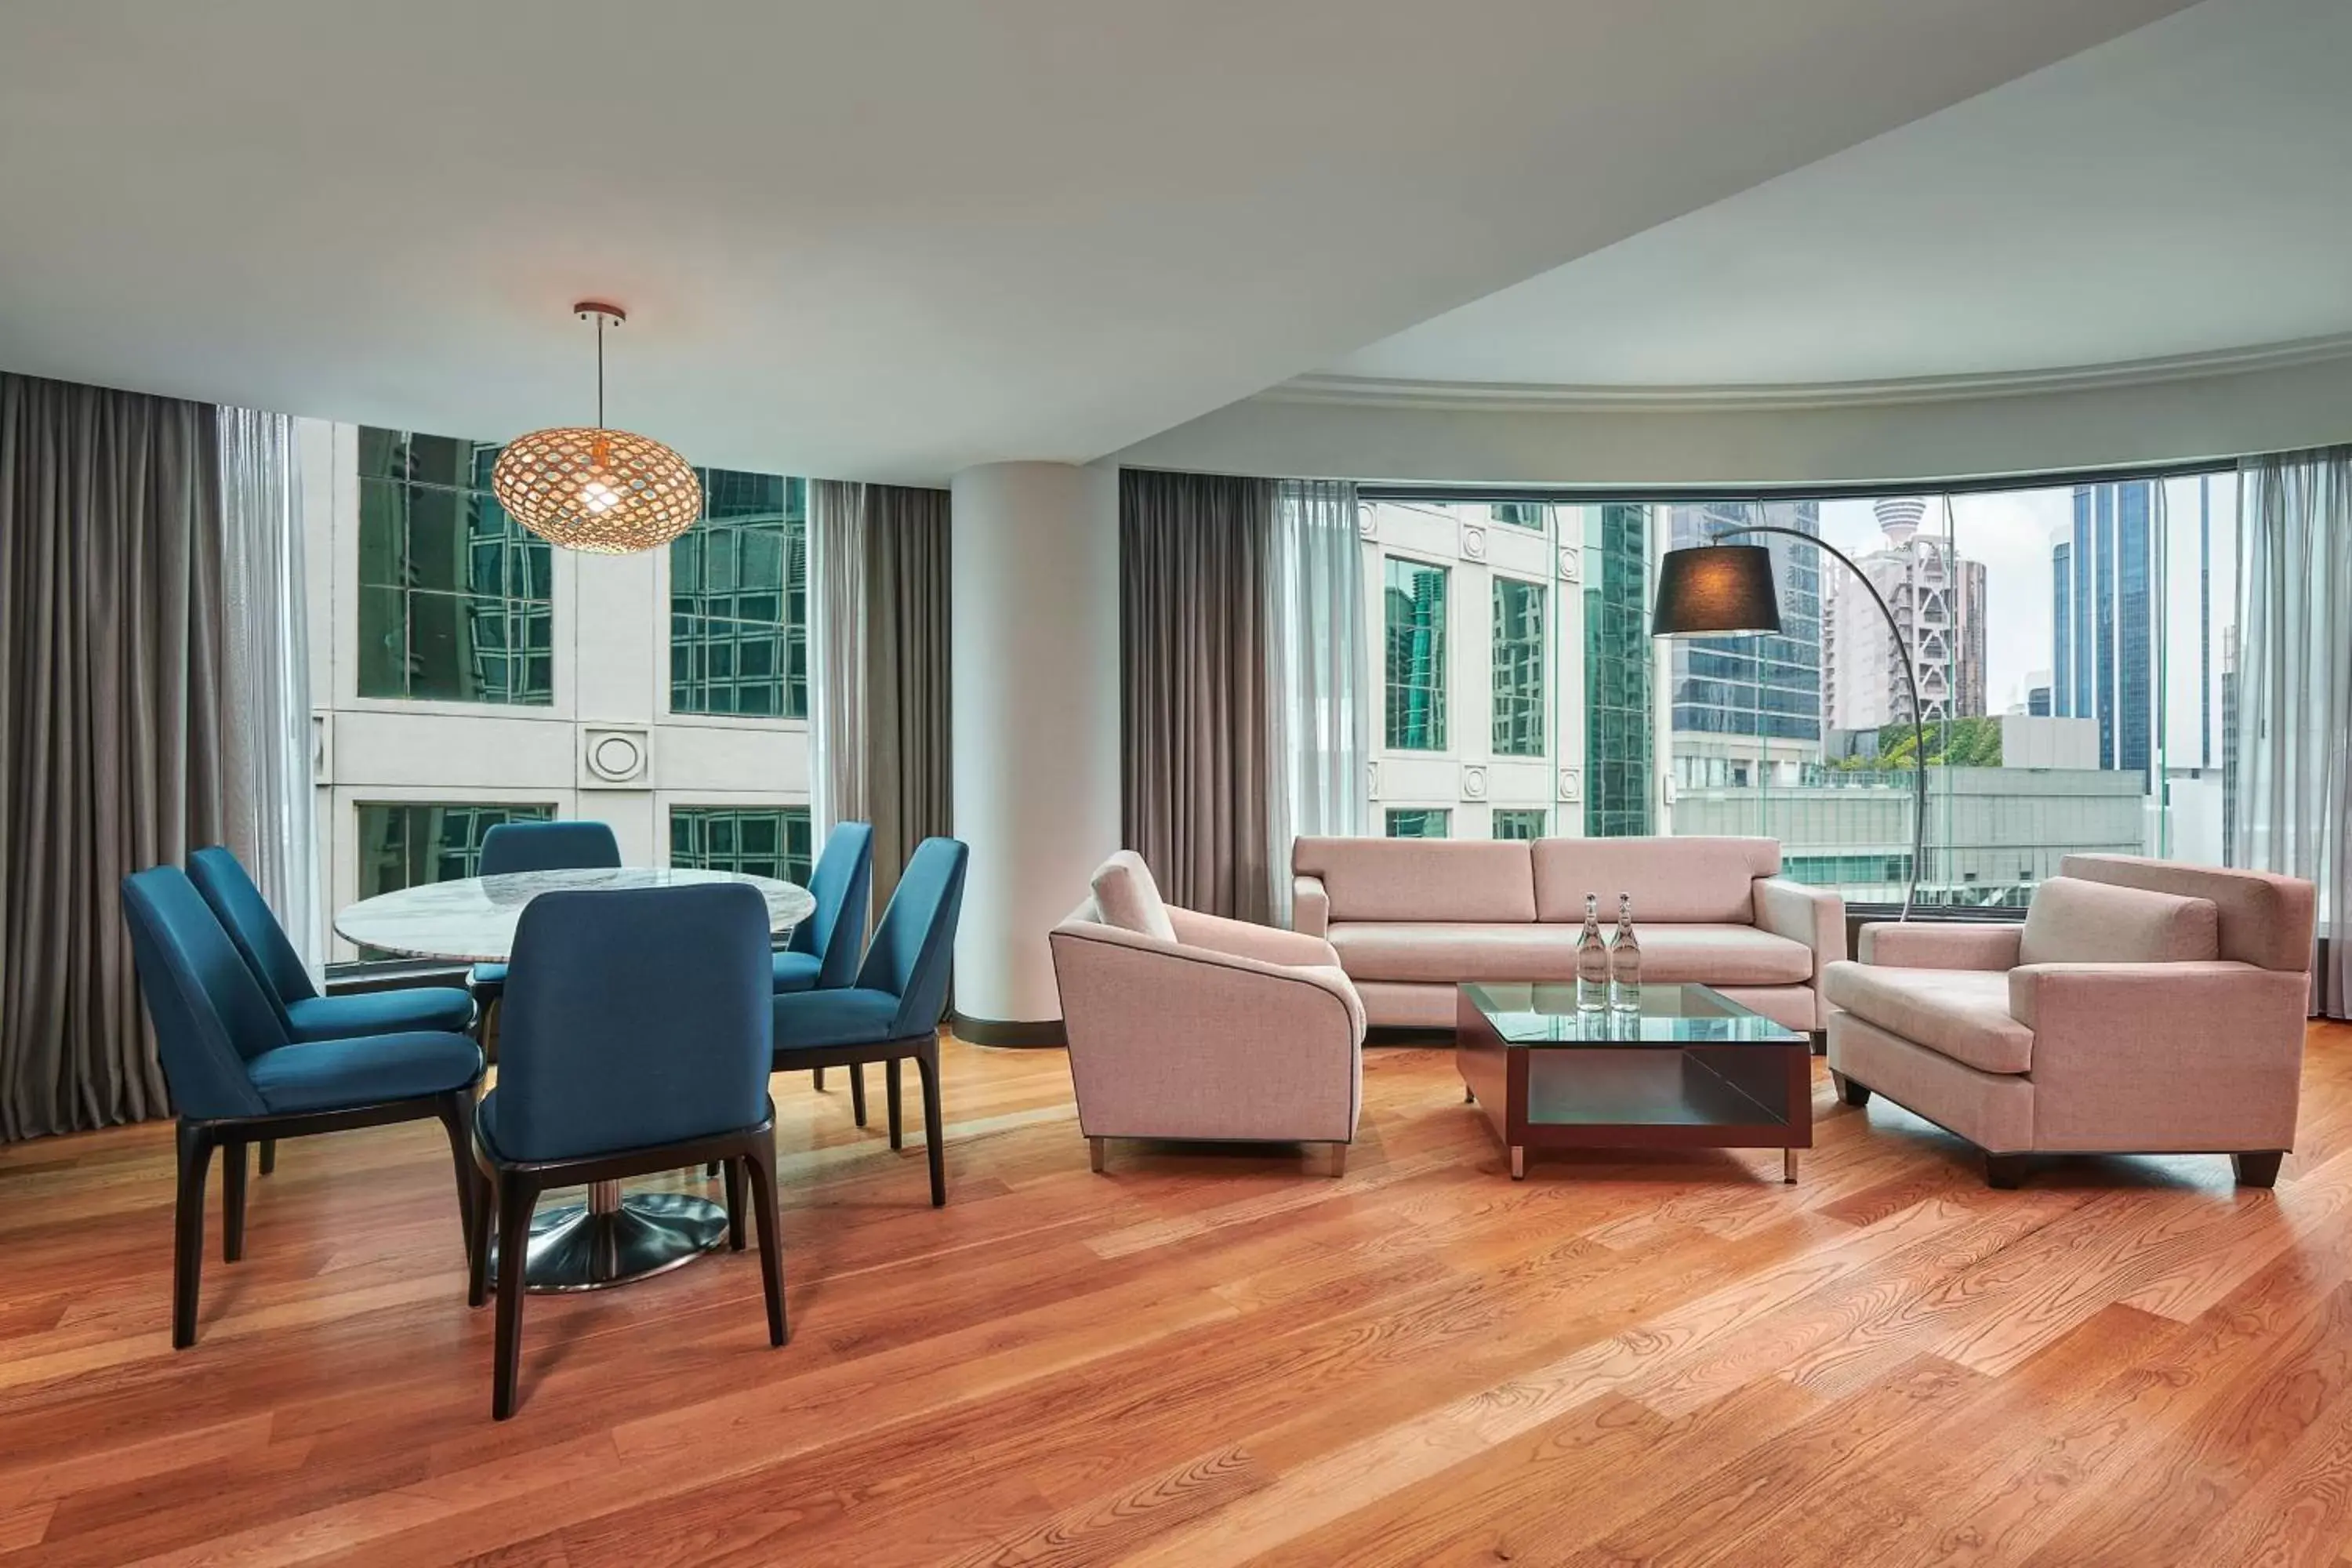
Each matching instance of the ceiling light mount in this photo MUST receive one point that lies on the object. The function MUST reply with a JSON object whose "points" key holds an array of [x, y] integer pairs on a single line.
{"points": [[607, 492]]}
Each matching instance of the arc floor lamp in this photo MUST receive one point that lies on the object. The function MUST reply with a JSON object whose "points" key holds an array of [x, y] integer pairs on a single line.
{"points": [[1717, 589]]}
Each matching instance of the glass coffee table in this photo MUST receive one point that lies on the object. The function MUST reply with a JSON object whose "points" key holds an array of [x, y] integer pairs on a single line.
{"points": [[1692, 1069]]}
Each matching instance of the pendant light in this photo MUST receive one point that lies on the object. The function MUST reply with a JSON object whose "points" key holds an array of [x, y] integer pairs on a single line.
{"points": [[604, 492]]}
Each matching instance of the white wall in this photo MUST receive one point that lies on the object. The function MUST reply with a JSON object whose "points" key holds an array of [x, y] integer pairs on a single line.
{"points": [[611, 678]]}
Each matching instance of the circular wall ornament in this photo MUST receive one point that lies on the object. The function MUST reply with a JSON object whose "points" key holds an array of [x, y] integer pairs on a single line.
{"points": [[616, 758]]}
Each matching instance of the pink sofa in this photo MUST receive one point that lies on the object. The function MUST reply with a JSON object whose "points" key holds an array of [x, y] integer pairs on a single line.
{"points": [[1185, 1026], [1411, 918], [2143, 1006]]}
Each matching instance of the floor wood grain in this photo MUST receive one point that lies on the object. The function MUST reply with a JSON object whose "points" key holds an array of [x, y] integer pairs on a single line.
{"points": [[1214, 1356]]}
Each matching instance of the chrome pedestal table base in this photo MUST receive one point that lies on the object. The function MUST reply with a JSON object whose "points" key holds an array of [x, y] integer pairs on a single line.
{"points": [[613, 1239]]}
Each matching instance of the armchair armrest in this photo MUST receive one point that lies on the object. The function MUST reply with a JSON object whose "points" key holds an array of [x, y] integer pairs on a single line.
{"points": [[1814, 916], [2204, 1057], [1941, 944], [1240, 939], [1311, 906]]}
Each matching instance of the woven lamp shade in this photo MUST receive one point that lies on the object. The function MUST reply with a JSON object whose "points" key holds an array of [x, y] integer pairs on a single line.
{"points": [[603, 492]]}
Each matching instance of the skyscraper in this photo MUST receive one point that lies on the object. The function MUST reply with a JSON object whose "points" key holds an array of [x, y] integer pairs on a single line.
{"points": [[1938, 600], [2101, 624], [1729, 694], [1618, 741]]}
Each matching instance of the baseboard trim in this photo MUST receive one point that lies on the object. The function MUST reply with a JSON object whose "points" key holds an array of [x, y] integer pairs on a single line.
{"points": [[1044, 1033]]}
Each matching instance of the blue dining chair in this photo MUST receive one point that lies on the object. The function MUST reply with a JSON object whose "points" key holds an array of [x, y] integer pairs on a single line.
{"points": [[894, 1010], [237, 1077], [537, 847], [637, 1039], [823, 953]]}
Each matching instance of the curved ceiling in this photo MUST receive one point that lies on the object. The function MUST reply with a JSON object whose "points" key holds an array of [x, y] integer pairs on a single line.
{"points": [[891, 238], [2176, 192]]}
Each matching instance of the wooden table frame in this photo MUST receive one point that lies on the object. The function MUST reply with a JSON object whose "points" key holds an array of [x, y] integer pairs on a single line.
{"points": [[1499, 1077]]}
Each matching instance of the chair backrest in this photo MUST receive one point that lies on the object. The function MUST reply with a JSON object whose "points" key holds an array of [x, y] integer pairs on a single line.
{"points": [[914, 943], [548, 846], [843, 884], [246, 915], [210, 1011], [634, 1019]]}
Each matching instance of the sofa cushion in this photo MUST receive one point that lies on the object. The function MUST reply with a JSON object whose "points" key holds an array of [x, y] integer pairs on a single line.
{"points": [[1446, 952], [2264, 918], [1128, 898], [2074, 922], [1962, 1013], [1702, 880], [1420, 878]]}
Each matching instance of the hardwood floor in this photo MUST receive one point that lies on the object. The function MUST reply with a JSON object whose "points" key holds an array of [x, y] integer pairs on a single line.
{"points": [[1215, 1357]]}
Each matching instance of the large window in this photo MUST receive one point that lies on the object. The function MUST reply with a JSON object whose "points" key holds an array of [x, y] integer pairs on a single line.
{"points": [[1520, 656], [1416, 655], [739, 600], [762, 841], [455, 598], [407, 844], [1519, 821], [1419, 823], [1619, 732]]}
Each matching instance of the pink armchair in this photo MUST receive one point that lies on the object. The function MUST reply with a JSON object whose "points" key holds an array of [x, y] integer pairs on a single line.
{"points": [[2143, 1006], [1185, 1026]]}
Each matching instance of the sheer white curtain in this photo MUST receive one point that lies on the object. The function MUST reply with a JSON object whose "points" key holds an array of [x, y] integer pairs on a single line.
{"points": [[2295, 701], [266, 784], [1320, 715], [837, 782]]}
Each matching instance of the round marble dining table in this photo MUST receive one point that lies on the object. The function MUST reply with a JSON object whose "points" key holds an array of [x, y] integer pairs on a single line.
{"points": [[614, 1236]]}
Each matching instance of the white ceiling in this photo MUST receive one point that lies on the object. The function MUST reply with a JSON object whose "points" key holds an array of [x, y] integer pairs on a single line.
{"points": [[888, 239], [2180, 191]]}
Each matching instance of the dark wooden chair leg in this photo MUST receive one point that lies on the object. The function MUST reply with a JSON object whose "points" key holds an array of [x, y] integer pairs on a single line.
{"points": [[816, 1078], [734, 1168], [1853, 1093], [233, 1163], [2258, 1169], [1821, 1042], [188, 1233], [761, 1165], [268, 1156], [897, 1113], [927, 1062], [455, 1109], [2006, 1171], [857, 1092], [477, 1238], [711, 1169], [516, 1199]]}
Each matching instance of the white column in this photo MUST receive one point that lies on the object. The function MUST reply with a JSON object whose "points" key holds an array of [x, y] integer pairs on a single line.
{"points": [[1035, 603]]}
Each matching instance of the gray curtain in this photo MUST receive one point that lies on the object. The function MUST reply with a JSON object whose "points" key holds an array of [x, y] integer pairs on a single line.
{"points": [[2293, 811], [908, 632], [836, 599], [1194, 564], [111, 732]]}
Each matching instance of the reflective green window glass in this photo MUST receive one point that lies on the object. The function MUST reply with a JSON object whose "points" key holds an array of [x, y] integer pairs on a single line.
{"points": [[1416, 597]]}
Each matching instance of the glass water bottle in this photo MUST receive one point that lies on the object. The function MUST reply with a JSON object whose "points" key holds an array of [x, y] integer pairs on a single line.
{"points": [[1591, 961], [1625, 961]]}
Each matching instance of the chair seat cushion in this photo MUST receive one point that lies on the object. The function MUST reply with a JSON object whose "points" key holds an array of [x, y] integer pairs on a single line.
{"points": [[850, 1016], [1449, 952], [1961, 1013], [487, 980], [439, 1009], [335, 1074], [796, 971]]}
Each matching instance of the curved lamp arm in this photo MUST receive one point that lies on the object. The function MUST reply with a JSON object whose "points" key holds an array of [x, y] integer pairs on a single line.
{"points": [[1910, 679]]}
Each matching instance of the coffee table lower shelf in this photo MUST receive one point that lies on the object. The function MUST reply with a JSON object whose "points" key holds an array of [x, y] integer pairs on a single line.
{"points": [[1700, 1095]]}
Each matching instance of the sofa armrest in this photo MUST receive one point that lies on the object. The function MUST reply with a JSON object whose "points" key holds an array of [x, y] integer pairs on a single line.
{"points": [[1814, 916], [1186, 1042], [1941, 944], [1311, 906], [1242, 938], [2203, 1057]]}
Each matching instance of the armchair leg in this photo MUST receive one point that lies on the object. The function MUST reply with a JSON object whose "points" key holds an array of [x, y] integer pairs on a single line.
{"points": [[891, 1084], [1339, 1160], [927, 1062], [232, 1200], [188, 1232], [516, 1198], [734, 1168], [1849, 1092], [762, 1168], [268, 1156], [2006, 1171], [1095, 1154], [816, 1080], [456, 1112], [2259, 1169], [857, 1093]]}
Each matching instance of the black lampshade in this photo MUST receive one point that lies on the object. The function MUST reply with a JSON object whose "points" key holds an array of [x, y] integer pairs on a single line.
{"points": [[1715, 588]]}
